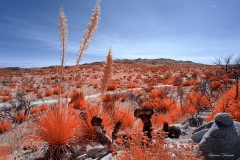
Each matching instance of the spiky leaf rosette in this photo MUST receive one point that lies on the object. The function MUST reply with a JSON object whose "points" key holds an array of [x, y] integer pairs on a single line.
{"points": [[59, 129]]}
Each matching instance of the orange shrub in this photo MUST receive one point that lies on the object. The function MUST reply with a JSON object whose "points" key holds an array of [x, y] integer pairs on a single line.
{"points": [[43, 108], [112, 86], [39, 95], [48, 93], [158, 120], [107, 98], [176, 115], [227, 104], [79, 85], [95, 86], [131, 86], [167, 82], [88, 134], [214, 78], [19, 118], [35, 110], [190, 83], [78, 101], [160, 105], [56, 91], [4, 152], [215, 85], [6, 126], [195, 102], [30, 89], [125, 116]]}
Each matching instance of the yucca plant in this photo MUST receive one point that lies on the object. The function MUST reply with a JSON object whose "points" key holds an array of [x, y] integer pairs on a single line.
{"points": [[59, 129]]}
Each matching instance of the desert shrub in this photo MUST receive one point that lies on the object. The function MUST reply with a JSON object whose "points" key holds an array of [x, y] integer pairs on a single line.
{"points": [[5, 126], [133, 85], [142, 148], [160, 105], [4, 152], [79, 85], [39, 95], [215, 85], [125, 116], [190, 83], [166, 82], [112, 97], [30, 89], [112, 86], [213, 78], [43, 108], [195, 103], [48, 93], [177, 81], [88, 134], [78, 101], [20, 117], [227, 104], [108, 107], [35, 110]]}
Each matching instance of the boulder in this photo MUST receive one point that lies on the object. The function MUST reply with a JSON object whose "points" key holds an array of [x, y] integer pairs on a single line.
{"points": [[197, 136], [222, 140], [205, 126]]}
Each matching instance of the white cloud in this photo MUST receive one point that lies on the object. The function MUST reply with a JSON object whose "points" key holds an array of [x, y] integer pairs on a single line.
{"points": [[215, 6]]}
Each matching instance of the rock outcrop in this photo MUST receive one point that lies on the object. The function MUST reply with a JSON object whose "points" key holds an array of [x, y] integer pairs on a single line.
{"points": [[222, 140]]}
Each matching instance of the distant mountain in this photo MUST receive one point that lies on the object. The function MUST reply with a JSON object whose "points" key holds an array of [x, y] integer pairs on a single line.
{"points": [[155, 61]]}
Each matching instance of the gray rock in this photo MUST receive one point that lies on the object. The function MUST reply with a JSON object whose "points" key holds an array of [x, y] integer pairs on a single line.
{"points": [[205, 126], [197, 137], [97, 152], [222, 140], [237, 127]]}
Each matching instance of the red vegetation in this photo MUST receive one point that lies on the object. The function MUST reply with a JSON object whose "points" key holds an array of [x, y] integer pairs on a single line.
{"points": [[5, 126], [78, 101], [58, 129], [48, 93], [133, 85], [112, 86], [20, 117], [227, 104]]}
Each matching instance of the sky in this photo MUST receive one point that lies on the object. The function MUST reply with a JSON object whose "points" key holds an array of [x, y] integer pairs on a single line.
{"points": [[194, 30]]}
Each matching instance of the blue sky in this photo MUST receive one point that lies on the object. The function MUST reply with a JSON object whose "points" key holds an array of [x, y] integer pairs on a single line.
{"points": [[195, 30]]}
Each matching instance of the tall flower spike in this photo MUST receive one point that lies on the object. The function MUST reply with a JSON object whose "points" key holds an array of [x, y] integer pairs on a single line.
{"points": [[84, 44], [106, 76], [63, 33], [88, 34]]}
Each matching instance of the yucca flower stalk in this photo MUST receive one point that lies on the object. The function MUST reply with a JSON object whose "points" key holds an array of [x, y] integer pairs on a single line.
{"points": [[84, 44], [106, 76], [63, 27]]}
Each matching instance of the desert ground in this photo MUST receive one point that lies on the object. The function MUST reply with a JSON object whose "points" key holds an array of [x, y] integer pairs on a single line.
{"points": [[175, 90]]}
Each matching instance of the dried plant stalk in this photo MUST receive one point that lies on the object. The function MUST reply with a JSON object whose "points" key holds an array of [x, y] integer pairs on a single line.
{"points": [[106, 76], [63, 27], [84, 44]]}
